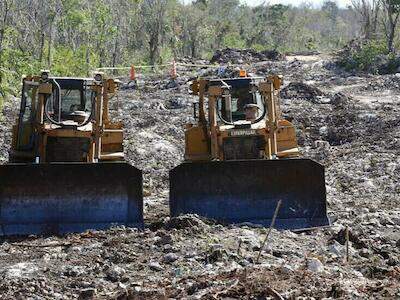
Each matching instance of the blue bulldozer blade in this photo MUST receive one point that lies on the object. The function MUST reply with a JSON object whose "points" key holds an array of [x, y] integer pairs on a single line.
{"points": [[59, 198], [248, 192]]}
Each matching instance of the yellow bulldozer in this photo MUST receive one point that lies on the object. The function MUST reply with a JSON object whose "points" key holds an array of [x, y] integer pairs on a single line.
{"points": [[67, 171], [242, 157]]}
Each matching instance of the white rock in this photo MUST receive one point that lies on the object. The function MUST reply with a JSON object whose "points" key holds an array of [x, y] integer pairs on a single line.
{"points": [[116, 273], [324, 100], [21, 270], [315, 265], [155, 266], [334, 249], [286, 269], [249, 238], [170, 257], [369, 184]]}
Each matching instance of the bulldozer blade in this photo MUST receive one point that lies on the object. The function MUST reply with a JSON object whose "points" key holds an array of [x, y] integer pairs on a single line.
{"points": [[248, 192], [60, 198]]}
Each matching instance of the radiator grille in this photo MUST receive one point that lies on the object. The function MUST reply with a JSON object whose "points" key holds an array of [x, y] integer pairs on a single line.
{"points": [[67, 149], [248, 147]]}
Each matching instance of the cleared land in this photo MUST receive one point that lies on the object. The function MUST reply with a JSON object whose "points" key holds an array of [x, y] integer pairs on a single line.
{"points": [[348, 122]]}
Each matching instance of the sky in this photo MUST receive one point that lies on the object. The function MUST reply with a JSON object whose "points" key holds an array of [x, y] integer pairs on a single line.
{"points": [[341, 3]]}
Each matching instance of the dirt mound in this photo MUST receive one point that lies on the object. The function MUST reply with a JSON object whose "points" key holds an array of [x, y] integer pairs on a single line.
{"points": [[187, 221], [340, 100], [384, 83], [351, 48], [7, 119], [239, 56], [303, 91]]}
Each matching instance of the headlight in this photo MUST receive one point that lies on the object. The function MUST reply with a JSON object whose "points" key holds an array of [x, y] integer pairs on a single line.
{"points": [[45, 75], [98, 77]]}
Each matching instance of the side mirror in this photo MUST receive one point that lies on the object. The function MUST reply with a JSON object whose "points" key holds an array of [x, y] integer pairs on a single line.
{"points": [[195, 110], [112, 85], [195, 87]]}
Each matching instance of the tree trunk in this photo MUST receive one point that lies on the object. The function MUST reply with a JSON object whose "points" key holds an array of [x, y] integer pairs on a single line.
{"points": [[49, 52], [390, 41], [41, 48], [2, 33], [153, 48], [391, 27], [1, 46], [193, 48], [114, 55], [375, 17], [87, 61]]}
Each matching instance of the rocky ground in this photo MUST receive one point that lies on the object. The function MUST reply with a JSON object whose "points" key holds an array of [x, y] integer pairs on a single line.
{"points": [[348, 122]]}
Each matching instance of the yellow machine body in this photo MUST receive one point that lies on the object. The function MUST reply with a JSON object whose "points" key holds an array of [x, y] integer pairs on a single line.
{"points": [[32, 131], [282, 144], [242, 157], [197, 142], [67, 171]]}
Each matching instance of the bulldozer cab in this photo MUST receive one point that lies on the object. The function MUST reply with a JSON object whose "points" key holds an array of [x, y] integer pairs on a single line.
{"points": [[245, 101], [71, 103], [74, 95]]}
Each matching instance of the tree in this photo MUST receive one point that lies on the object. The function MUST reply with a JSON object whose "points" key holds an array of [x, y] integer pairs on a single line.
{"points": [[331, 9], [223, 16], [195, 28], [279, 24], [390, 20], [153, 14], [72, 37], [369, 12], [5, 9]]}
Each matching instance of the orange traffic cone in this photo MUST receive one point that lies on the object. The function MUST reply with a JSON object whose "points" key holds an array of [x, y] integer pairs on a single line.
{"points": [[174, 70], [242, 73], [132, 73]]}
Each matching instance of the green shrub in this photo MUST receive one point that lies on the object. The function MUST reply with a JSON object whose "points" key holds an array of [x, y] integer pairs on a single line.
{"points": [[233, 40], [14, 65], [67, 62], [367, 54], [370, 56], [392, 65]]}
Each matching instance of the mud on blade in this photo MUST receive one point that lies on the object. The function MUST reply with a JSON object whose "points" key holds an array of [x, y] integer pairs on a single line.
{"points": [[73, 197], [248, 191]]}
